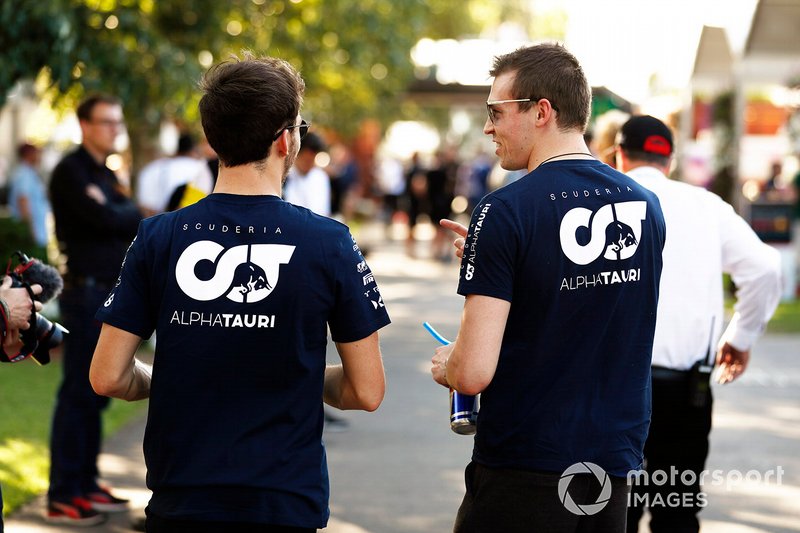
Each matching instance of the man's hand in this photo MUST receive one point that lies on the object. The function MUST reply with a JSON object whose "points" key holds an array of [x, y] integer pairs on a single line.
{"points": [[439, 361], [732, 363], [96, 193], [19, 304], [12, 344], [460, 229]]}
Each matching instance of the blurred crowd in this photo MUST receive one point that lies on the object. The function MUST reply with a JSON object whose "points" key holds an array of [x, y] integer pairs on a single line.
{"points": [[346, 181]]}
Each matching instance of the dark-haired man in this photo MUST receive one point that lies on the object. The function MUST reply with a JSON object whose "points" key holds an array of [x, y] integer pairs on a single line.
{"points": [[560, 273], [705, 238], [241, 289], [95, 220]]}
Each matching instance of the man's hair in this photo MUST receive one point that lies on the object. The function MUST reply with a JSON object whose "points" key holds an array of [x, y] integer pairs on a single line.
{"points": [[186, 143], [246, 102], [549, 71], [312, 142], [25, 149], [86, 107]]}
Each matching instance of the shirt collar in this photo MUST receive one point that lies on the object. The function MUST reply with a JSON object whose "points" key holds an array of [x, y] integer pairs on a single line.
{"points": [[84, 153], [646, 174]]}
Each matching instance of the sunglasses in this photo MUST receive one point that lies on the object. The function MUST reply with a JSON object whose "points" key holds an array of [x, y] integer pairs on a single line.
{"points": [[490, 103], [303, 129]]}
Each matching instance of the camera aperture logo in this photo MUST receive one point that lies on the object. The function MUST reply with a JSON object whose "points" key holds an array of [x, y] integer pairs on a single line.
{"points": [[585, 508]]}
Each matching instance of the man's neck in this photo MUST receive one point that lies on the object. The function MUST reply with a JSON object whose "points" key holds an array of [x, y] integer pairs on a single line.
{"points": [[250, 180], [570, 145], [632, 165], [98, 155]]}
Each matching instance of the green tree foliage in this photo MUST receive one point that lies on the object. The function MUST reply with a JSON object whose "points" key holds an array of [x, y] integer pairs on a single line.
{"points": [[353, 54]]}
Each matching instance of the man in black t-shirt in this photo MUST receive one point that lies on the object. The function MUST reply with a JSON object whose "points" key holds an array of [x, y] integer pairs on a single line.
{"points": [[241, 288], [560, 271], [95, 219]]}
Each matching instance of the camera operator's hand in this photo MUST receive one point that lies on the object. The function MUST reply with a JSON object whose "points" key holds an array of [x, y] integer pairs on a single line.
{"points": [[12, 343], [19, 304]]}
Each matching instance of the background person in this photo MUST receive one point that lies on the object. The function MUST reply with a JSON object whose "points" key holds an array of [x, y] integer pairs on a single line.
{"points": [[27, 197], [240, 361], [557, 328], [159, 180], [307, 184], [705, 238], [95, 221]]}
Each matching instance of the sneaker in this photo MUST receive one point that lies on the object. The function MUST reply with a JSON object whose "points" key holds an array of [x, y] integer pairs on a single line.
{"points": [[102, 500], [76, 512]]}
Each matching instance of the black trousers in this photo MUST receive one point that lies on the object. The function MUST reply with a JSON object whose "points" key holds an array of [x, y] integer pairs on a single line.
{"points": [[157, 524], [677, 446], [519, 501]]}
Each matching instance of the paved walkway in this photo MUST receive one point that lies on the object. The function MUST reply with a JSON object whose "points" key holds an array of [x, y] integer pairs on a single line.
{"points": [[400, 470]]}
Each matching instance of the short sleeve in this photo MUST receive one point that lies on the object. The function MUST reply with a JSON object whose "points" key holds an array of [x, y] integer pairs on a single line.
{"points": [[359, 308], [127, 306], [487, 266]]}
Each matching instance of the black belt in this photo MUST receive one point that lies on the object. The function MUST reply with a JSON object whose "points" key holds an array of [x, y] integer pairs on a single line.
{"points": [[661, 373]]}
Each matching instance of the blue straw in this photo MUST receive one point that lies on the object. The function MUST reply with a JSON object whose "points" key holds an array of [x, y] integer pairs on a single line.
{"points": [[436, 335]]}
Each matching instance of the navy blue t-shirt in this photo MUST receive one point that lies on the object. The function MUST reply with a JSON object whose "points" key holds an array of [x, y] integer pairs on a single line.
{"points": [[575, 246], [240, 291]]}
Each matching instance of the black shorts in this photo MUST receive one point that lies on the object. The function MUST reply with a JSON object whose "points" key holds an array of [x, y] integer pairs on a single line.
{"points": [[157, 524], [529, 502]]}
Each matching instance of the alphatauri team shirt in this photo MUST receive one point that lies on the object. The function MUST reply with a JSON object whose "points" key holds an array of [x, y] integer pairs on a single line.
{"points": [[575, 247], [241, 291]]}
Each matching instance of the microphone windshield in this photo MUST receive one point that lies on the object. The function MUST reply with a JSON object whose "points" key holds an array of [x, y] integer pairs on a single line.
{"points": [[46, 276]]}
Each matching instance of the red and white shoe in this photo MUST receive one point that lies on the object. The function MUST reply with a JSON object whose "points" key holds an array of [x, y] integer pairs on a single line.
{"points": [[76, 512], [102, 500]]}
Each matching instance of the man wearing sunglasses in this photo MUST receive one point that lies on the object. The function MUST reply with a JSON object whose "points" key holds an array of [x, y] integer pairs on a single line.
{"points": [[560, 271], [241, 288]]}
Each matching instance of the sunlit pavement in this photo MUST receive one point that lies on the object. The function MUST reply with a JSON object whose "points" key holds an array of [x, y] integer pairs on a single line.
{"points": [[400, 469]]}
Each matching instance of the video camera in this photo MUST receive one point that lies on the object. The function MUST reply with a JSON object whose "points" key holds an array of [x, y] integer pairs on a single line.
{"points": [[42, 335]]}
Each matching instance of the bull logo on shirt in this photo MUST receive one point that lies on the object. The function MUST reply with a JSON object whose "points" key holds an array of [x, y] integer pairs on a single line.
{"points": [[249, 278], [619, 236], [247, 273], [613, 232]]}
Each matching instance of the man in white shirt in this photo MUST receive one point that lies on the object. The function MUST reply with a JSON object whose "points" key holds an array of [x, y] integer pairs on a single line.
{"points": [[705, 238], [158, 180], [308, 185]]}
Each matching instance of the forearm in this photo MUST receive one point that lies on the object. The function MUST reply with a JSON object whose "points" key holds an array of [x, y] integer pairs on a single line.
{"points": [[332, 388], [132, 385], [466, 378], [139, 385], [115, 371], [339, 392]]}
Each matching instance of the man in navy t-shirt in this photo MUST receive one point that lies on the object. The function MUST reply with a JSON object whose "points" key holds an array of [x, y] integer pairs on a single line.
{"points": [[561, 272], [241, 288]]}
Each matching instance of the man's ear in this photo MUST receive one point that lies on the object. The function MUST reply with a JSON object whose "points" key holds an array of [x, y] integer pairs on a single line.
{"points": [[281, 144], [543, 111]]}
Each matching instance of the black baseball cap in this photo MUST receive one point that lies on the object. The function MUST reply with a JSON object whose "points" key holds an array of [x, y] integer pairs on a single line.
{"points": [[646, 134]]}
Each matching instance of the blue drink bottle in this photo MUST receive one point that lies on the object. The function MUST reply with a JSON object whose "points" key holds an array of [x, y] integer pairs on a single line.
{"points": [[463, 408]]}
